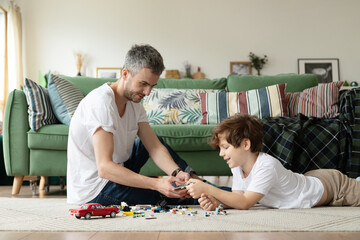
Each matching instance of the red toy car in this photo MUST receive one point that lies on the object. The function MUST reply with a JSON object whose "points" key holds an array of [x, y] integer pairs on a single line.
{"points": [[93, 209]]}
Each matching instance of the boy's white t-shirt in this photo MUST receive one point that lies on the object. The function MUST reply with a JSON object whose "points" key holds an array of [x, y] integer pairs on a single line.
{"points": [[98, 109], [281, 187]]}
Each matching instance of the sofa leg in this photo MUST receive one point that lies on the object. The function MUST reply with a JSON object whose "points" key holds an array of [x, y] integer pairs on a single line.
{"points": [[18, 180], [42, 183]]}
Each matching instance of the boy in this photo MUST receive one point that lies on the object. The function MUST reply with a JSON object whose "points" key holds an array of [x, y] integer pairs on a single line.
{"points": [[259, 177]]}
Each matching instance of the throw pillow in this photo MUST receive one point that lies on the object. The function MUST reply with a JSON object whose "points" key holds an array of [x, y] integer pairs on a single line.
{"points": [[174, 106], [320, 101], [64, 98], [262, 102], [39, 106]]}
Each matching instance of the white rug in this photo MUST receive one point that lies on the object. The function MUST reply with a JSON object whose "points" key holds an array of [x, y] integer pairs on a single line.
{"points": [[30, 214]]}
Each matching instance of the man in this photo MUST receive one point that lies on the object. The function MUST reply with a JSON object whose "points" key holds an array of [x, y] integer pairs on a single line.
{"points": [[104, 158]]}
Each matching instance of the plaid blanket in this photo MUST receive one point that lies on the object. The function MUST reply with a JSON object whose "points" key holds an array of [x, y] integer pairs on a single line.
{"points": [[350, 113], [305, 143]]}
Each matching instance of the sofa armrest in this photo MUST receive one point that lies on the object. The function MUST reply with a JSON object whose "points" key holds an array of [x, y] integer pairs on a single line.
{"points": [[16, 126]]}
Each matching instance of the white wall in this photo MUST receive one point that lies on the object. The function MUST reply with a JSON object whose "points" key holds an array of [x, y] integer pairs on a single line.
{"points": [[206, 33]]}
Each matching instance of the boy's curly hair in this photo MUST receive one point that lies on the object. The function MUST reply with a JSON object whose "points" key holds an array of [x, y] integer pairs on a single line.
{"points": [[238, 127]]}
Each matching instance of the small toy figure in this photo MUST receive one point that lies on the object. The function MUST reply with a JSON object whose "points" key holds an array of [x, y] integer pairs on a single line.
{"points": [[220, 210], [93, 209], [125, 207]]}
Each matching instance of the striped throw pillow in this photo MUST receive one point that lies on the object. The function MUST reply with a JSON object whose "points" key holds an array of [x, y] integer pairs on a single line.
{"points": [[39, 106], [263, 102], [64, 98], [320, 101]]}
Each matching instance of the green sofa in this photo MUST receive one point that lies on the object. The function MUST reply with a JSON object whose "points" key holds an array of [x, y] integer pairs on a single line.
{"points": [[43, 153]]}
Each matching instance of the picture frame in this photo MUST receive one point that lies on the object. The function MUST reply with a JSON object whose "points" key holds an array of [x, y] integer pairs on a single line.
{"points": [[240, 68], [327, 69], [102, 72]]}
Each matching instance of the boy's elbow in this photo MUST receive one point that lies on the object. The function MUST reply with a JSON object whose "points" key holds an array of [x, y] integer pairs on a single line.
{"points": [[247, 207], [244, 206]]}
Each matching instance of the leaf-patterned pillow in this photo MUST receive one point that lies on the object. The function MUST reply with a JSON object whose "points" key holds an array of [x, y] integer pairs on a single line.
{"points": [[174, 106]]}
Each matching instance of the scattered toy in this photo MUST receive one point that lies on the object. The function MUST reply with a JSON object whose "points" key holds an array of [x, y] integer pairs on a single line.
{"points": [[128, 213], [183, 186], [138, 211], [93, 209]]}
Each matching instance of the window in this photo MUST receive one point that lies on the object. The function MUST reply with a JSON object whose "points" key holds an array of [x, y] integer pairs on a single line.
{"points": [[3, 61]]}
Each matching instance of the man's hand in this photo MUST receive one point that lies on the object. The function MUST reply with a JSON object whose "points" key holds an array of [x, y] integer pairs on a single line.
{"points": [[195, 190], [183, 176], [165, 186], [208, 202]]}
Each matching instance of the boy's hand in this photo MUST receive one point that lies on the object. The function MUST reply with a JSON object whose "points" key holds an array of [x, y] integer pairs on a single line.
{"points": [[208, 202], [195, 190]]}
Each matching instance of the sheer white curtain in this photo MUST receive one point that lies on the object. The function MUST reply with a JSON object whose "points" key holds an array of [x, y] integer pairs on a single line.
{"points": [[15, 47], [3, 61]]}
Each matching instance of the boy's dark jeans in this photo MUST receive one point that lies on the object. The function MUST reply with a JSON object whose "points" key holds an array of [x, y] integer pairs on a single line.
{"points": [[114, 194]]}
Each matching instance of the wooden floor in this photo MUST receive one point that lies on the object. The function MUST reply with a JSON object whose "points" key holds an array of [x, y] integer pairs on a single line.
{"points": [[55, 192]]}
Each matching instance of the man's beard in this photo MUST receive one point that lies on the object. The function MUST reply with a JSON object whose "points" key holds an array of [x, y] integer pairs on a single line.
{"points": [[130, 95]]}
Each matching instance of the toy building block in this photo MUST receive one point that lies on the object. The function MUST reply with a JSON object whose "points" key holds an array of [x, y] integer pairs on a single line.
{"points": [[128, 213]]}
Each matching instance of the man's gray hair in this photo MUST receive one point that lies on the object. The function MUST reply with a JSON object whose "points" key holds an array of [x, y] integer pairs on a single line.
{"points": [[144, 56]]}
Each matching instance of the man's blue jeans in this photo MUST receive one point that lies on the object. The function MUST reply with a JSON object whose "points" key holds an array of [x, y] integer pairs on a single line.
{"points": [[114, 194]]}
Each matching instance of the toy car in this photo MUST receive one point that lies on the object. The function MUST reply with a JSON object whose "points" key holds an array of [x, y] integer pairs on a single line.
{"points": [[183, 186], [93, 209]]}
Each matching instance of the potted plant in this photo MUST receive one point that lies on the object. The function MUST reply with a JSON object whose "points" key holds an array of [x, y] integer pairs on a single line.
{"points": [[257, 62]]}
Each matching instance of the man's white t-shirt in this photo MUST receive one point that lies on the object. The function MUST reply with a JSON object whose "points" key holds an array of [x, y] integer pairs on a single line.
{"points": [[282, 188], [98, 109]]}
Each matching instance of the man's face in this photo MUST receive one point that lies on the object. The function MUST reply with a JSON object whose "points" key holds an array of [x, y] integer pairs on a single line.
{"points": [[140, 85]]}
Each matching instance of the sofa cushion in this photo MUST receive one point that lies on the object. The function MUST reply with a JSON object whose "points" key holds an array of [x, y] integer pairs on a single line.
{"points": [[87, 84], [185, 137], [64, 97], [179, 137], [320, 101], [39, 106], [294, 82], [174, 106], [187, 83], [263, 102], [52, 137]]}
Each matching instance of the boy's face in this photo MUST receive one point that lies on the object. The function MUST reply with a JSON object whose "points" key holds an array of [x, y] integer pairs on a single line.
{"points": [[233, 156]]}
